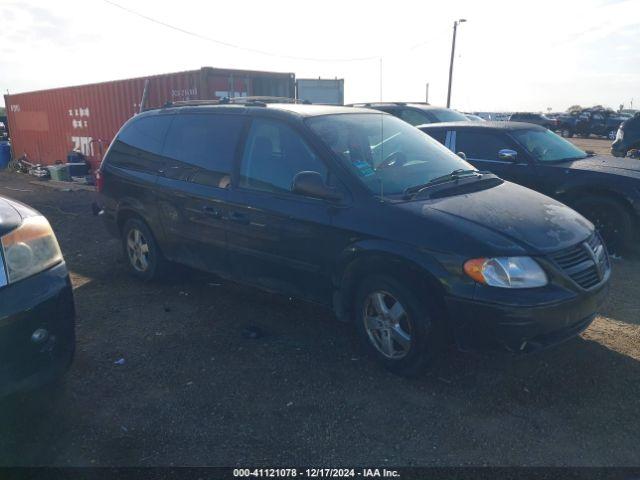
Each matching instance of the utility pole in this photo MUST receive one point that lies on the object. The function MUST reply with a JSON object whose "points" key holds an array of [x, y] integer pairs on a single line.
{"points": [[427, 94], [453, 52]]}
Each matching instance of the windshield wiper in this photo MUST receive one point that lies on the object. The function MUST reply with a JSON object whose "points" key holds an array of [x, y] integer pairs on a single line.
{"points": [[452, 176]]}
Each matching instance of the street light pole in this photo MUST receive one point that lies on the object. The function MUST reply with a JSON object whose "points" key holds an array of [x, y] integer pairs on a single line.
{"points": [[453, 52]]}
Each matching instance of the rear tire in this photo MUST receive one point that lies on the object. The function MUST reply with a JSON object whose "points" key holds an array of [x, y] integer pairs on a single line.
{"points": [[611, 218], [612, 135], [401, 332], [142, 254]]}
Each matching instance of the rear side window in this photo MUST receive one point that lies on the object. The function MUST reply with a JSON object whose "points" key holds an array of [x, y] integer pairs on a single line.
{"points": [[200, 148], [146, 133], [481, 146]]}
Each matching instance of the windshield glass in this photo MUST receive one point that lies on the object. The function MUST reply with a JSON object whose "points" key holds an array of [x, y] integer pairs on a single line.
{"points": [[446, 115], [546, 146], [385, 153]]}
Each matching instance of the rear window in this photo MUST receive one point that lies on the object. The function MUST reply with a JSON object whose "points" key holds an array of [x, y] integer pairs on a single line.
{"points": [[146, 133], [445, 115]]}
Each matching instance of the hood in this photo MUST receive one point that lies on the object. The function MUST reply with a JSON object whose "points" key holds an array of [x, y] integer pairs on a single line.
{"points": [[509, 215], [9, 216], [627, 167]]}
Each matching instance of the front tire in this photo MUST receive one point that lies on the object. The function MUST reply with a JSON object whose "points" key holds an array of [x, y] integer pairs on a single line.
{"points": [[402, 333], [142, 254], [611, 218], [612, 135]]}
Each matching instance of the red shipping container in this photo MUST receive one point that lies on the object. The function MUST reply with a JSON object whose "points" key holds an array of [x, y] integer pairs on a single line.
{"points": [[46, 125]]}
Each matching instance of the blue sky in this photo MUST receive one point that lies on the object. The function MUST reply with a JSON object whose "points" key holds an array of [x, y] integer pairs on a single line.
{"points": [[510, 55]]}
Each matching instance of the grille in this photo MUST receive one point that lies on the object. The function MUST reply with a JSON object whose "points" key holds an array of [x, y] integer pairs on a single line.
{"points": [[585, 263]]}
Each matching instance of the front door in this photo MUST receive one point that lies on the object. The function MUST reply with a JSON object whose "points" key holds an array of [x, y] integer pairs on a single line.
{"points": [[279, 240], [481, 148]]}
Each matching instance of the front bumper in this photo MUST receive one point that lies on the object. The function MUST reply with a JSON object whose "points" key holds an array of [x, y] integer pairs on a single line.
{"points": [[44, 304], [480, 324]]}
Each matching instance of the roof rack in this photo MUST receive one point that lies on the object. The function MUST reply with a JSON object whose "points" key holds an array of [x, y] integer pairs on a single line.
{"points": [[377, 104], [254, 101], [370, 104]]}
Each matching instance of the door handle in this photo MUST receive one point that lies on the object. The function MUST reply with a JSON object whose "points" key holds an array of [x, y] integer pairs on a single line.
{"points": [[239, 218], [211, 211]]}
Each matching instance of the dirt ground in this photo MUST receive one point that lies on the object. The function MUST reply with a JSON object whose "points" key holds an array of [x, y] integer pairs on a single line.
{"points": [[600, 146], [193, 391]]}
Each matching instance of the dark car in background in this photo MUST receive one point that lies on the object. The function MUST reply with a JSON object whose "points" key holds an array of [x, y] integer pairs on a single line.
{"points": [[604, 189], [627, 137], [416, 113], [599, 122], [535, 118], [359, 211], [37, 315]]}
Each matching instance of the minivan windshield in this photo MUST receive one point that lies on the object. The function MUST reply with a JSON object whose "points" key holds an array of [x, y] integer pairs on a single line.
{"points": [[385, 153], [546, 146]]}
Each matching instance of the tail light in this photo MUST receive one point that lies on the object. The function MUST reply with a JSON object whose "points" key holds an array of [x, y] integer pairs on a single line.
{"points": [[99, 181]]}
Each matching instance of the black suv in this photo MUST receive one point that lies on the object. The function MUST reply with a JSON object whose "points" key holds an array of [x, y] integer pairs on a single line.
{"points": [[627, 137], [535, 118], [416, 113], [597, 121], [604, 189], [357, 210]]}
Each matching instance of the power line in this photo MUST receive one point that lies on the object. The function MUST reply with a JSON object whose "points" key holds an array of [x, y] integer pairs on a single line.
{"points": [[235, 46]]}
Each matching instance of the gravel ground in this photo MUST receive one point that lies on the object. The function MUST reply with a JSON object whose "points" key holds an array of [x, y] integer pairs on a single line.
{"points": [[193, 391], [600, 146]]}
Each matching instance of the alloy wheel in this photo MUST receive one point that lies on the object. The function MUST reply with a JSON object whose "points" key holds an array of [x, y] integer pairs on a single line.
{"points": [[387, 325], [138, 250]]}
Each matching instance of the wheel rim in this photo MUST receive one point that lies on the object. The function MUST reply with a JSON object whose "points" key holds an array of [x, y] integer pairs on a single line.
{"points": [[387, 325], [138, 250], [612, 135]]}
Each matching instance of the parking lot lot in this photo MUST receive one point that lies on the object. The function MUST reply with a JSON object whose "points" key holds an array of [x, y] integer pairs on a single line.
{"points": [[164, 376], [601, 146]]}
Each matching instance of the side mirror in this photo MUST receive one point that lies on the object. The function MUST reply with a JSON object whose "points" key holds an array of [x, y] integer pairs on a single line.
{"points": [[311, 184], [507, 155], [462, 155]]}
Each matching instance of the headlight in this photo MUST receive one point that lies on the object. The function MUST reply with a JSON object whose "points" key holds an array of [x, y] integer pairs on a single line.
{"points": [[506, 272], [30, 248], [619, 134]]}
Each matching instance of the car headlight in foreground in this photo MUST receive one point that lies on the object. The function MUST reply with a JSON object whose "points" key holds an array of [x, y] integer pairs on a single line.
{"points": [[506, 272], [30, 249]]}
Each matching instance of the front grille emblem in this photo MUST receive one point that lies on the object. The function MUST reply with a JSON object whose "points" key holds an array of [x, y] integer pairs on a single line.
{"points": [[597, 254]]}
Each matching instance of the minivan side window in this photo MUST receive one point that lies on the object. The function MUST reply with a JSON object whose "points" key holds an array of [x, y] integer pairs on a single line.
{"points": [[139, 143], [274, 153], [481, 146], [200, 148]]}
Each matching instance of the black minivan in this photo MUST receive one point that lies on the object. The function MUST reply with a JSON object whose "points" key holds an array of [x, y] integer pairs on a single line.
{"points": [[357, 210]]}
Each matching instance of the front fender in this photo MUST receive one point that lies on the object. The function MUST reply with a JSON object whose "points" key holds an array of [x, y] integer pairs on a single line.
{"points": [[441, 270]]}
